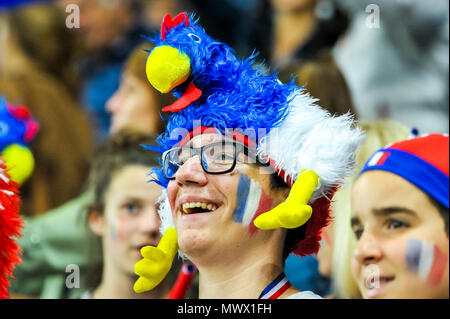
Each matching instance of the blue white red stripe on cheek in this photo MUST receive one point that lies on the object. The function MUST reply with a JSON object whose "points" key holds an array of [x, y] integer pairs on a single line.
{"points": [[426, 260], [251, 201]]}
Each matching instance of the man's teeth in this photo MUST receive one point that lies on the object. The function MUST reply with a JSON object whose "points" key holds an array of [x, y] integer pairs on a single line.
{"points": [[190, 207]]}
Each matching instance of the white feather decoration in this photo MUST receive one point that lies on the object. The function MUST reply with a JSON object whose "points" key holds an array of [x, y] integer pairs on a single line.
{"points": [[311, 138]]}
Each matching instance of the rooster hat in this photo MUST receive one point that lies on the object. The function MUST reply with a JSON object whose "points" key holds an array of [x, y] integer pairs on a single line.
{"points": [[217, 91]]}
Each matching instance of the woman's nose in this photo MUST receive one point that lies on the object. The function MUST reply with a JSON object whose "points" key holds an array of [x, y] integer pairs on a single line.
{"points": [[112, 104], [368, 250]]}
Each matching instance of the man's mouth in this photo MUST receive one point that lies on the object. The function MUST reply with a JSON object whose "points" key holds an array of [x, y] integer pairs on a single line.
{"points": [[198, 207]]}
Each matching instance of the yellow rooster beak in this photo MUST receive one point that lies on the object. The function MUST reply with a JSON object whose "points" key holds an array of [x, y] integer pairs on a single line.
{"points": [[167, 68]]}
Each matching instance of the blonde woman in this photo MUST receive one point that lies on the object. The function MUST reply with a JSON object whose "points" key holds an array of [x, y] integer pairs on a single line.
{"points": [[338, 240]]}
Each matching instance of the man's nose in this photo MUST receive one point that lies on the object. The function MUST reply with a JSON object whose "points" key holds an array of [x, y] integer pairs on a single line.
{"points": [[191, 172]]}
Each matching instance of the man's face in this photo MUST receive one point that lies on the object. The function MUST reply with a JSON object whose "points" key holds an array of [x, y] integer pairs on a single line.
{"points": [[231, 201], [402, 249]]}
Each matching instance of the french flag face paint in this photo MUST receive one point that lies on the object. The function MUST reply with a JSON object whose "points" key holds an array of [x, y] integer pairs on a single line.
{"points": [[251, 201], [426, 260]]}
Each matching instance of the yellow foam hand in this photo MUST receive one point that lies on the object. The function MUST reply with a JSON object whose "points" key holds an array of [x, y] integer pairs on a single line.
{"points": [[156, 262], [294, 211]]}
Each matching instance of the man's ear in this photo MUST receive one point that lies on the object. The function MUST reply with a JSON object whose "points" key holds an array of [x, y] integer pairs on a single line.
{"points": [[96, 222]]}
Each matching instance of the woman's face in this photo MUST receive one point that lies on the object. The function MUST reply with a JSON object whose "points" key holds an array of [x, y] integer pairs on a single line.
{"points": [[134, 105], [402, 249], [130, 220], [231, 202]]}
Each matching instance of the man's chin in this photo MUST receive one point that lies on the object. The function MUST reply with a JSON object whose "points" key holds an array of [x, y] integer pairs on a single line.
{"points": [[192, 246]]}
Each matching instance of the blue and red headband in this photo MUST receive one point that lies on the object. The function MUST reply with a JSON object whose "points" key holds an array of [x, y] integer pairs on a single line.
{"points": [[422, 161]]}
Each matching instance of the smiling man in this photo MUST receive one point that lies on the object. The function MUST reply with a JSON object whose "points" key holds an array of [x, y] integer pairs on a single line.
{"points": [[400, 219], [249, 165]]}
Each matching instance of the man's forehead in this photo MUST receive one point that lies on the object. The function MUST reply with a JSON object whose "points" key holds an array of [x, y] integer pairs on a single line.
{"points": [[206, 135], [206, 138]]}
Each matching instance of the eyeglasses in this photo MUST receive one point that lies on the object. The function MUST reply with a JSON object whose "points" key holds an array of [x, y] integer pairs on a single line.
{"points": [[216, 158]]}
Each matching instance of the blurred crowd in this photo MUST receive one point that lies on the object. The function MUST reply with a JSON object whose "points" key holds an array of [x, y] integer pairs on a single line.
{"points": [[385, 62]]}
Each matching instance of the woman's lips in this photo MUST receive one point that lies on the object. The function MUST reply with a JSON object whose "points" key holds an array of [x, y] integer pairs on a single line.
{"points": [[377, 286]]}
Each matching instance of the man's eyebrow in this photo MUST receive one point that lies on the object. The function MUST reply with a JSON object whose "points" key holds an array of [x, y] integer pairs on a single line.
{"points": [[385, 211]]}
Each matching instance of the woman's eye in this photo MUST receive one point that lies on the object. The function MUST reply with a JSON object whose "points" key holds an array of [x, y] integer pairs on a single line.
{"points": [[395, 223], [194, 37]]}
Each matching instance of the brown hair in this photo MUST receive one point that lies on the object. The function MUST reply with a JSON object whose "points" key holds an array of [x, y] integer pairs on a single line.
{"points": [[63, 145], [322, 79], [121, 149]]}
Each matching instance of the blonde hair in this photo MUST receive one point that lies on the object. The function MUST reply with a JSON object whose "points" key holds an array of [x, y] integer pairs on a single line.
{"points": [[379, 133]]}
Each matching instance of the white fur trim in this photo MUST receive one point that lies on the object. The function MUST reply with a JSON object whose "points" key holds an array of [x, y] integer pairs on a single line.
{"points": [[165, 213], [311, 138]]}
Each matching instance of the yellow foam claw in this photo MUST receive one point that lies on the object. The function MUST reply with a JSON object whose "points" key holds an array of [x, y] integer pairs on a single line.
{"points": [[157, 262], [167, 68], [294, 211]]}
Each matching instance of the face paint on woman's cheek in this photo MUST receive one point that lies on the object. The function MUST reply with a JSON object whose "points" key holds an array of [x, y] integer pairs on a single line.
{"points": [[251, 201], [426, 260], [117, 230]]}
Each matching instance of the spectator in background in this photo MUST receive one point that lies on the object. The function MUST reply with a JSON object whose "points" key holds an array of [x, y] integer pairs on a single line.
{"points": [[299, 30], [303, 35], [108, 32], [395, 59], [34, 55], [337, 239], [47, 253], [124, 214], [400, 207], [136, 104], [322, 79]]}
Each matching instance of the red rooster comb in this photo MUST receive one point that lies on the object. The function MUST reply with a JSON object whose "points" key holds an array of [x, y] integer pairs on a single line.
{"points": [[168, 23]]}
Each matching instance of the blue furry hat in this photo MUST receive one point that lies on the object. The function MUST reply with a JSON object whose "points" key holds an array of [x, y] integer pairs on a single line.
{"points": [[216, 89], [234, 93]]}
